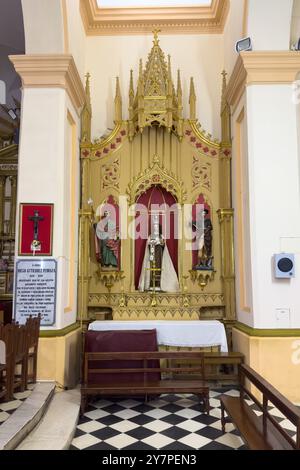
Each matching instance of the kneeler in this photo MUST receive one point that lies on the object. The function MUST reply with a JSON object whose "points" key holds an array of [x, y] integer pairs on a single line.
{"points": [[122, 341]]}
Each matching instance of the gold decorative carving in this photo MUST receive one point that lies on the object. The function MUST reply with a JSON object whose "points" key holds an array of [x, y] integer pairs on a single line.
{"points": [[202, 277], [202, 140], [155, 102], [109, 278], [101, 148], [138, 300], [185, 298], [184, 19], [201, 173], [156, 175], [86, 115], [156, 313], [156, 157], [111, 175]]}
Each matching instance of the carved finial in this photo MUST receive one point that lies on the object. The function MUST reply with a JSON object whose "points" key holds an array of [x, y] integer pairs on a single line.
{"points": [[225, 112], [131, 87], [155, 39], [86, 115], [118, 91], [155, 158], [224, 86], [118, 102], [192, 101], [179, 88], [88, 88], [170, 83], [169, 66]]}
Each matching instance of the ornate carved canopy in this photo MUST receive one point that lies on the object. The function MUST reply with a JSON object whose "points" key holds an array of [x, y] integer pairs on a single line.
{"points": [[155, 101]]}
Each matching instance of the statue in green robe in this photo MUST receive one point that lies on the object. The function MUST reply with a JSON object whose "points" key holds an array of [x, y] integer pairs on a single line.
{"points": [[109, 243]]}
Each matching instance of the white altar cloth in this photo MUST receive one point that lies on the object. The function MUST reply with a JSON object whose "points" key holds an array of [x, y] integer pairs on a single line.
{"points": [[193, 334]]}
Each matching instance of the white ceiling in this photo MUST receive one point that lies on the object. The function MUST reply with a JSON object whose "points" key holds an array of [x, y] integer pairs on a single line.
{"points": [[151, 3]]}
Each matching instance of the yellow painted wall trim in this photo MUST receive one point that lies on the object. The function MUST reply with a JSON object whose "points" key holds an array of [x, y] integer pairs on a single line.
{"points": [[261, 68], [51, 71], [58, 333], [72, 210], [180, 20], [245, 17], [267, 333], [66, 28], [237, 83]]}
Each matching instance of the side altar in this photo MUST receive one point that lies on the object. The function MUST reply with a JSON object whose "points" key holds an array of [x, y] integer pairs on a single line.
{"points": [[156, 223]]}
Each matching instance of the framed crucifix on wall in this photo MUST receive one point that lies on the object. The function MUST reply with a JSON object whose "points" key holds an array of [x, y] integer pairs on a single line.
{"points": [[36, 227]]}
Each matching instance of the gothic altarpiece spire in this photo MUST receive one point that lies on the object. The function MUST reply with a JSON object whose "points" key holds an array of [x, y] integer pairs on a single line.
{"points": [[156, 155]]}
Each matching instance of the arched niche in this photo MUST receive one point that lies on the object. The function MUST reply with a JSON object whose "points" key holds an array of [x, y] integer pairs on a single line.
{"points": [[155, 199]]}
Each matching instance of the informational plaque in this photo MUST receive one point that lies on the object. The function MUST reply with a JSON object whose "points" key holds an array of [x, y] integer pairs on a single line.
{"points": [[35, 290]]}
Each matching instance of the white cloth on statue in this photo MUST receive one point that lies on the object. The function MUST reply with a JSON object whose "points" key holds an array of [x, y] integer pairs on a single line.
{"points": [[168, 278]]}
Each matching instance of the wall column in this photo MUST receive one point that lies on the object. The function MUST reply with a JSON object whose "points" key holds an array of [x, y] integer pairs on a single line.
{"points": [[49, 172], [266, 199]]}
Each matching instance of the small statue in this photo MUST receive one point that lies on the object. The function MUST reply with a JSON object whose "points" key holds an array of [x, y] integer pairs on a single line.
{"points": [[109, 242], [204, 238]]}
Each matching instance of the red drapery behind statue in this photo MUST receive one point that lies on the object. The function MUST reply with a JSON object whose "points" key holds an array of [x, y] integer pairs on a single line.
{"points": [[154, 196]]}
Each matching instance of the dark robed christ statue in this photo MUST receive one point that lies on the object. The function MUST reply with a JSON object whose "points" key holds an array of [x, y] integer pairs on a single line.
{"points": [[36, 219]]}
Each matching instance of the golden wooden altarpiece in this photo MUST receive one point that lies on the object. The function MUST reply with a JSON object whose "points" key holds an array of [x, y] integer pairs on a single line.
{"points": [[157, 146]]}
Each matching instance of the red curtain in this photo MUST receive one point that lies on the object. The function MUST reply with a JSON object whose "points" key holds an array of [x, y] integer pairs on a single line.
{"points": [[154, 196]]}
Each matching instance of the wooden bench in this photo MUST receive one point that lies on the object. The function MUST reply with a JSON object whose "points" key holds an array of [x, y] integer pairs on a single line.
{"points": [[165, 368], [260, 432]]}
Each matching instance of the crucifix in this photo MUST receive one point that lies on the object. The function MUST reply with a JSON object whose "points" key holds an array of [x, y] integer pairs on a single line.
{"points": [[36, 219]]}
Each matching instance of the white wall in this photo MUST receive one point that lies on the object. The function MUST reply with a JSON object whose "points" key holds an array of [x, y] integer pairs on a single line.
{"points": [[269, 24], [199, 56], [76, 35], [241, 205], [44, 177], [232, 33], [43, 24], [295, 27], [274, 200]]}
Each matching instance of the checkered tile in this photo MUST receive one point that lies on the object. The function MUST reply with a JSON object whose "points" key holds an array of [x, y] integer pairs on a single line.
{"points": [[169, 422], [7, 408]]}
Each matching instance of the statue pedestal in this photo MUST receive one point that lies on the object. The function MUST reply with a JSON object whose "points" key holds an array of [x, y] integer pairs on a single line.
{"points": [[202, 276]]}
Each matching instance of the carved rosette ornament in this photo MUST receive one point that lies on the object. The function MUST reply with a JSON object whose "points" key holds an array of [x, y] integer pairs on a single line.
{"points": [[201, 173], [111, 175]]}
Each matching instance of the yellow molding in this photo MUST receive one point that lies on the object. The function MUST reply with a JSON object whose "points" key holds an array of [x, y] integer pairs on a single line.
{"points": [[245, 17], [202, 19], [51, 71], [261, 68], [267, 333], [237, 83], [66, 28]]}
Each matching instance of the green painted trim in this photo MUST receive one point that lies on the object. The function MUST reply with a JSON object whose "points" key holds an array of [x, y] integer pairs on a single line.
{"points": [[57, 333], [266, 333]]}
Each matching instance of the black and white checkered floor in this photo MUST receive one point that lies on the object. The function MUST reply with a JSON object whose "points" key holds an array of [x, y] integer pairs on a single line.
{"points": [[8, 408], [170, 422]]}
